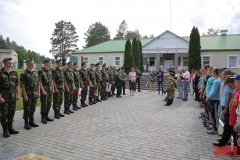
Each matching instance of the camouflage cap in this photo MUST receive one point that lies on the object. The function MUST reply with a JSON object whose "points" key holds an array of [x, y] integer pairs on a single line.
{"points": [[211, 68], [58, 60], [29, 60], [171, 78]]}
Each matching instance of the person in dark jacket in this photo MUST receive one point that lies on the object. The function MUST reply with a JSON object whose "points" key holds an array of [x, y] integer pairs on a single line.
{"points": [[195, 84], [118, 82]]}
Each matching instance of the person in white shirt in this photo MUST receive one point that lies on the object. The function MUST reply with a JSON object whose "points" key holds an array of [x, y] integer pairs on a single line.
{"points": [[185, 80]]}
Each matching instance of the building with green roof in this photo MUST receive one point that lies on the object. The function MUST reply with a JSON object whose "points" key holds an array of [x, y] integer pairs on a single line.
{"points": [[168, 50]]}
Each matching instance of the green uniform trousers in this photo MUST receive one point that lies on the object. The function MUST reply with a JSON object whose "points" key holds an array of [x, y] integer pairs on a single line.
{"points": [[46, 102], [7, 108], [91, 94], [99, 90], [75, 97], [103, 90], [68, 98], [58, 100], [29, 107], [84, 91]]}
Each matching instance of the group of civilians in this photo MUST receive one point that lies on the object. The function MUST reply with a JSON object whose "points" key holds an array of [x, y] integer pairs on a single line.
{"points": [[216, 87]]}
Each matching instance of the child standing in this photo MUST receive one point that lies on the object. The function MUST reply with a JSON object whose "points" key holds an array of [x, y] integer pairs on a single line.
{"points": [[170, 91]]}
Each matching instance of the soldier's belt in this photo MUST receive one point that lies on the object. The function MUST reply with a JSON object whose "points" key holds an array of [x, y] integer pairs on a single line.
{"points": [[49, 84], [35, 89]]}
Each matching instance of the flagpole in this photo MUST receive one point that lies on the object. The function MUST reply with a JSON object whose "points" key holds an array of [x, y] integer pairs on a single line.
{"points": [[170, 15]]}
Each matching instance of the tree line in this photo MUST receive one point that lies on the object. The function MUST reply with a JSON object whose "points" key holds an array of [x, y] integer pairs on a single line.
{"points": [[23, 54]]}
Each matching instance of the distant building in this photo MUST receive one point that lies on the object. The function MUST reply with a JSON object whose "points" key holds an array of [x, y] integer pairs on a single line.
{"points": [[4, 53], [169, 49]]}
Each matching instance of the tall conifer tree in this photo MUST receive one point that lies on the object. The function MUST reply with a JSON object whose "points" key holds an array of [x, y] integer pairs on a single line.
{"points": [[135, 51], [128, 56]]}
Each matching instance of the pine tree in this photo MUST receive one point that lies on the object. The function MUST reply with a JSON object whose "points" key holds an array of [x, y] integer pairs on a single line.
{"points": [[8, 43], [121, 32], [64, 40], [97, 33], [135, 51], [194, 51], [128, 57], [141, 56]]}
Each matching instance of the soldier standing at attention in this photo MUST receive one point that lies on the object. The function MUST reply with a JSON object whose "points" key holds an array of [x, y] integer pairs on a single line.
{"points": [[30, 92], [124, 76], [69, 87], [9, 84], [91, 76], [77, 84], [119, 81], [111, 79], [114, 76], [98, 81], [58, 83], [107, 77], [104, 82], [46, 86], [170, 91], [138, 74], [84, 83]]}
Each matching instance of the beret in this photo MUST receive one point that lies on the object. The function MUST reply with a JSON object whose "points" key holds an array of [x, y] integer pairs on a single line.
{"points": [[83, 62], [111, 66], [107, 68], [122, 68], [118, 69], [7, 59], [58, 60], [92, 64], [46, 60], [97, 64], [172, 73], [29, 60], [103, 64], [75, 63], [69, 62]]}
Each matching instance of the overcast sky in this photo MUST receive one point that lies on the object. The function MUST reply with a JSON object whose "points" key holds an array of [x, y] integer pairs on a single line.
{"points": [[31, 22]]}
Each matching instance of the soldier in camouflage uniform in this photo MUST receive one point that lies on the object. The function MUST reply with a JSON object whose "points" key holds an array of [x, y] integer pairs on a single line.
{"points": [[9, 84], [170, 91], [111, 80], [77, 84], [30, 93], [69, 87], [98, 81], [104, 82], [84, 83], [58, 83], [46, 85], [114, 81], [107, 76], [92, 78]]}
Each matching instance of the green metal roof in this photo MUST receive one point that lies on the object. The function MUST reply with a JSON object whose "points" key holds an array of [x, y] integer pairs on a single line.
{"points": [[109, 46], [218, 42]]}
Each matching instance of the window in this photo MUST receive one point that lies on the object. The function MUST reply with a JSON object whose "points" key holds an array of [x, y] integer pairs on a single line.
{"points": [[144, 60], [152, 61], [233, 61], [185, 61], [117, 61], [100, 60], [85, 59], [161, 61], [179, 61], [206, 60]]}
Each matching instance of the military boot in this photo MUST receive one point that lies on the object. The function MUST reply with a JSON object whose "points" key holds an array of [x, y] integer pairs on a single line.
{"points": [[32, 123], [74, 107], [56, 115], [90, 101], [43, 120], [60, 114], [66, 111], [93, 101], [26, 126], [70, 110], [78, 107], [85, 104], [11, 129], [103, 98], [98, 100], [5, 131], [48, 118], [82, 104]]}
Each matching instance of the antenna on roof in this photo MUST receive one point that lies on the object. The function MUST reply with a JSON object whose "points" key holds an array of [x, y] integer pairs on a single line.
{"points": [[170, 15]]}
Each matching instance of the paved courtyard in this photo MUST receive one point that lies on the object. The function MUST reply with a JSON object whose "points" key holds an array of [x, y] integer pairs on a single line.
{"points": [[133, 127]]}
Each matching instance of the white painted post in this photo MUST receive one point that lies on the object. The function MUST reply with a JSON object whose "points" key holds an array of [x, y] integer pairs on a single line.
{"points": [[24, 64]]}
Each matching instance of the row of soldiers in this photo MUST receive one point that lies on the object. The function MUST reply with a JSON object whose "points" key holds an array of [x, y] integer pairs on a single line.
{"points": [[47, 83]]}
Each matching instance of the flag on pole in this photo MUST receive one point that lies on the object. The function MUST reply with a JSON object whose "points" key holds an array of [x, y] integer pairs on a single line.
{"points": [[88, 92], [107, 87], [96, 91], [79, 93]]}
